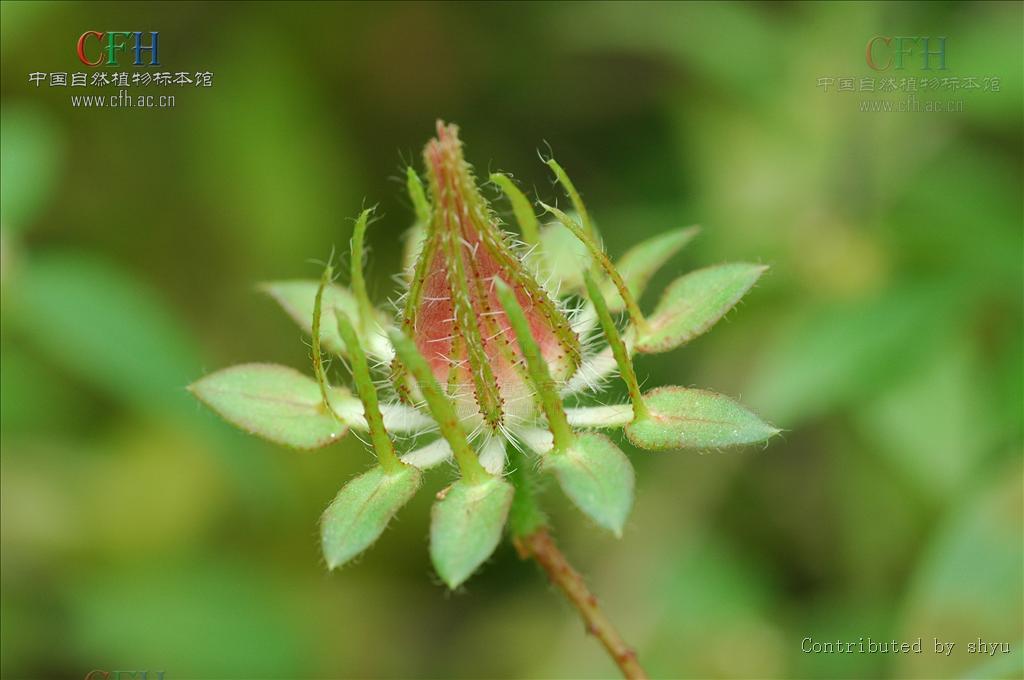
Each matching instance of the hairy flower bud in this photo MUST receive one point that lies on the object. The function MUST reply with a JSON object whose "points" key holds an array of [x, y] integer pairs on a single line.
{"points": [[452, 311], [484, 360]]}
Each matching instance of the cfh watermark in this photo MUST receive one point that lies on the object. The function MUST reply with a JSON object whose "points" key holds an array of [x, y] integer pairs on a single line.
{"points": [[908, 74], [124, 675], [902, 51], [120, 70]]}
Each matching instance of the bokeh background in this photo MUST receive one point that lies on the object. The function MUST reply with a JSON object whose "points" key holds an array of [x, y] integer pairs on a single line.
{"points": [[140, 533]]}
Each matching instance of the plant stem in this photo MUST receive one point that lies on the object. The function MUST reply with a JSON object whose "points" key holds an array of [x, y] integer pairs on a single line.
{"points": [[531, 539], [525, 515], [540, 546]]}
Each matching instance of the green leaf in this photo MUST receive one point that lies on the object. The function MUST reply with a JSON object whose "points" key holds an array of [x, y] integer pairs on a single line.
{"points": [[297, 296], [597, 477], [277, 403], [564, 257], [362, 509], [694, 302], [641, 261], [466, 526], [687, 418]]}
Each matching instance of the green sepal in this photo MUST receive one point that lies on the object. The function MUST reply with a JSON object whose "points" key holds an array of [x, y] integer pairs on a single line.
{"points": [[521, 207], [596, 475], [367, 391], [687, 418], [412, 246], [418, 196], [577, 201], [466, 526], [362, 509], [641, 262], [441, 407], [694, 302], [277, 403], [617, 346], [537, 368]]}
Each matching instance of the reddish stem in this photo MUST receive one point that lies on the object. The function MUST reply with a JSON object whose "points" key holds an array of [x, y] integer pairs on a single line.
{"points": [[540, 546]]}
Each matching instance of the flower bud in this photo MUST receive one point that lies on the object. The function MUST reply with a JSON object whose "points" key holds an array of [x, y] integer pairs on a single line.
{"points": [[452, 310]]}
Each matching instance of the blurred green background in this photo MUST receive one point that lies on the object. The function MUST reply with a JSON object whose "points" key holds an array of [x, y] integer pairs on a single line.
{"points": [[138, 532]]}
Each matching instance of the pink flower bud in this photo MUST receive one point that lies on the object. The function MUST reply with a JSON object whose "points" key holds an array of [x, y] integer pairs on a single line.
{"points": [[452, 311]]}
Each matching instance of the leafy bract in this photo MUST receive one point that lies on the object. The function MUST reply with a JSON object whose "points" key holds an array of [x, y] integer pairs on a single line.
{"points": [[597, 477], [466, 526], [686, 418], [641, 262], [564, 257], [277, 403], [296, 297], [362, 509], [608, 416], [694, 302]]}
